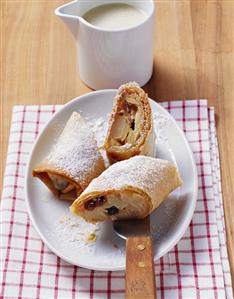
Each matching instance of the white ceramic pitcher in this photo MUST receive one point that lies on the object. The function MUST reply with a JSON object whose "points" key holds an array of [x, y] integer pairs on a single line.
{"points": [[109, 58]]}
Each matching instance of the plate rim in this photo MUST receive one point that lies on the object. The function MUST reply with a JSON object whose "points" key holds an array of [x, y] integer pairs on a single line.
{"points": [[189, 215]]}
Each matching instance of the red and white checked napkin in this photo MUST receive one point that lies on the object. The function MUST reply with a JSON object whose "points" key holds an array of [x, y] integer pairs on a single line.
{"points": [[197, 267]]}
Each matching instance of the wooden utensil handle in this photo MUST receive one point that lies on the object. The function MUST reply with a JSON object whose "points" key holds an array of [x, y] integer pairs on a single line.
{"points": [[140, 279]]}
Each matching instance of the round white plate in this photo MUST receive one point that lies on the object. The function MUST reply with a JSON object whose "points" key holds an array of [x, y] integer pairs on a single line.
{"points": [[168, 222]]}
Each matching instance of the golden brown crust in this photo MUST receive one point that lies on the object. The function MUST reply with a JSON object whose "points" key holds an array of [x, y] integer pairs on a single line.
{"points": [[42, 171], [145, 143], [148, 181]]}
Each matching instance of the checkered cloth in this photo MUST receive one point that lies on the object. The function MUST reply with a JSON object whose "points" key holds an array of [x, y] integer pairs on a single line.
{"points": [[197, 267]]}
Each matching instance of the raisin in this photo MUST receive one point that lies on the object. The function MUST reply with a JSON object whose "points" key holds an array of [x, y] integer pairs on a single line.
{"points": [[133, 125], [112, 210], [90, 204], [101, 200]]}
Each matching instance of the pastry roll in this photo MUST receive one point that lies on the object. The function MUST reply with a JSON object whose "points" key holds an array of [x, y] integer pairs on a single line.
{"points": [[128, 189], [130, 130], [73, 162]]}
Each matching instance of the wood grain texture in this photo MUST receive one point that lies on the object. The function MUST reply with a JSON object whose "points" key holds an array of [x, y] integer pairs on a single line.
{"points": [[194, 58], [140, 279]]}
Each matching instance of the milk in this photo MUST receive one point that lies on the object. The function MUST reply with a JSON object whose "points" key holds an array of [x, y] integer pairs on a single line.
{"points": [[115, 16]]}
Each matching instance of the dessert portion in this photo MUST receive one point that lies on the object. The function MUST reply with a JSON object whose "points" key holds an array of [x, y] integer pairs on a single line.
{"points": [[73, 162], [130, 130], [128, 189]]}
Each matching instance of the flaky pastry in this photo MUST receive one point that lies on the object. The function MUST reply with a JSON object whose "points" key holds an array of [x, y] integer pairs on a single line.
{"points": [[128, 189], [73, 162]]}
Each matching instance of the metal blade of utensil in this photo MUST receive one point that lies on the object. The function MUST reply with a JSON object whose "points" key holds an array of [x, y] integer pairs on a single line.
{"points": [[132, 228], [139, 277]]}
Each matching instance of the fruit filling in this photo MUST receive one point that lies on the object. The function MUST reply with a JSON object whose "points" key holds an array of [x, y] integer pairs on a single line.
{"points": [[125, 127], [112, 210], [61, 184], [93, 203]]}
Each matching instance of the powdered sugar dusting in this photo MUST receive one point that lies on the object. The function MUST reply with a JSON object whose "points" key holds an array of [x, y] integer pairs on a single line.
{"points": [[161, 124], [87, 239], [74, 229], [72, 232], [100, 127], [160, 121], [145, 173], [76, 149]]}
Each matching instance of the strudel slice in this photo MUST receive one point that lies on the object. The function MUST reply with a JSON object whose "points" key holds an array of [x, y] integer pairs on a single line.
{"points": [[131, 129], [128, 189], [73, 162]]}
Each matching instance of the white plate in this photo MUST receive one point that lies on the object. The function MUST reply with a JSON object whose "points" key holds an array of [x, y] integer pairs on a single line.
{"points": [[169, 221]]}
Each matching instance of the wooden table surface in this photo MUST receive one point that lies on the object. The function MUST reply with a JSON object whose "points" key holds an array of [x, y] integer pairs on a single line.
{"points": [[194, 58]]}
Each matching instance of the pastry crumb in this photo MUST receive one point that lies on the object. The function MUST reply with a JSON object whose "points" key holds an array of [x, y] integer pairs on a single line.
{"points": [[91, 238], [63, 219], [74, 229]]}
